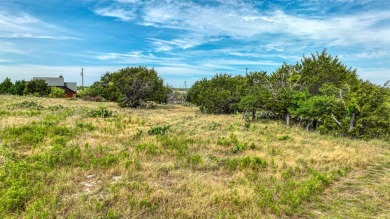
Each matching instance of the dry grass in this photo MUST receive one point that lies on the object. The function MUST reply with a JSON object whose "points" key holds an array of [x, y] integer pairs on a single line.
{"points": [[205, 166]]}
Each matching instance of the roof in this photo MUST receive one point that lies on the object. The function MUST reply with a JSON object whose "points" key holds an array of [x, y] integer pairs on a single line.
{"points": [[71, 85], [58, 82], [51, 81]]}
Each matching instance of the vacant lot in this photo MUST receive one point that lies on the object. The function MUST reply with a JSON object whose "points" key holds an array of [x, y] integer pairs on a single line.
{"points": [[71, 158]]}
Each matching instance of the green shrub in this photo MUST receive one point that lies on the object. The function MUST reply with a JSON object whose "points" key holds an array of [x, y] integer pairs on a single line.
{"points": [[158, 130], [56, 92]]}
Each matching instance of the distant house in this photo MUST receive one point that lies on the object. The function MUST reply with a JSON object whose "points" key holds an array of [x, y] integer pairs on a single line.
{"points": [[70, 88]]}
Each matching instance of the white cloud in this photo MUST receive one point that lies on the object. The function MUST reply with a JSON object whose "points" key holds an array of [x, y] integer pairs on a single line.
{"points": [[375, 75], [243, 21], [122, 14], [22, 25]]}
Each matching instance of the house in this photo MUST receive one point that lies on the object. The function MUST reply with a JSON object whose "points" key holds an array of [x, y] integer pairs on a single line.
{"points": [[70, 88]]}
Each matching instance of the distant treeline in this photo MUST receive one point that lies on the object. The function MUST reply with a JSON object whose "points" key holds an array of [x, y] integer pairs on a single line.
{"points": [[319, 93], [34, 87]]}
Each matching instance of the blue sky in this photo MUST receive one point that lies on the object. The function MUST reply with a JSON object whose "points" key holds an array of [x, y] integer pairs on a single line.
{"points": [[188, 40]]}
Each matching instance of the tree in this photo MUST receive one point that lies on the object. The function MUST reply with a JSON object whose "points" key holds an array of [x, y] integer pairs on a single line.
{"points": [[322, 68], [37, 87], [18, 87], [220, 94], [139, 85], [254, 94], [5, 86], [281, 86]]}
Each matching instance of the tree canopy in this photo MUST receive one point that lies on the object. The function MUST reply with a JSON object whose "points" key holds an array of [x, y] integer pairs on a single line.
{"points": [[318, 93]]}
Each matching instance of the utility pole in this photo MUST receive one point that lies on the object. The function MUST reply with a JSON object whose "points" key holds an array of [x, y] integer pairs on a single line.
{"points": [[246, 70], [185, 84], [82, 78]]}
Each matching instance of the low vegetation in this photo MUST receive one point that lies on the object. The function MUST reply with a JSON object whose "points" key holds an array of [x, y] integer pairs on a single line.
{"points": [[80, 159]]}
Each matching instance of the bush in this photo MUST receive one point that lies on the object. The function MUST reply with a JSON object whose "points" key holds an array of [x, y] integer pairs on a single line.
{"points": [[57, 92]]}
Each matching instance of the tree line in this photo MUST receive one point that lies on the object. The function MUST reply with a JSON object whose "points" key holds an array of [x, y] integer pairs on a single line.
{"points": [[35, 87], [317, 93]]}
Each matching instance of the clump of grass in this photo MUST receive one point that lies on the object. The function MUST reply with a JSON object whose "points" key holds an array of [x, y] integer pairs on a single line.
{"points": [[214, 126], [239, 147], [100, 112], [83, 125], [138, 134], [283, 138], [231, 140], [254, 163], [56, 107], [178, 144], [29, 105], [159, 130], [148, 148], [194, 160]]}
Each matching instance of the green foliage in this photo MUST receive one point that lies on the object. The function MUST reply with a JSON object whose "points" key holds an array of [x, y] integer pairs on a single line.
{"points": [[100, 112], [319, 93], [221, 94], [322, 68], [130, 87], [18, 87], [148, 148], [37, 87], [29, 105], [57, 92], [231, 140], [158, 130], [177, 144], [254, 163], [6, 86], [194, 160]]}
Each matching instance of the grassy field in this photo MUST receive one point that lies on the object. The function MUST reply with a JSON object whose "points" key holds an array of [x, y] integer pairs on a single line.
{"points": [[63, 158]]}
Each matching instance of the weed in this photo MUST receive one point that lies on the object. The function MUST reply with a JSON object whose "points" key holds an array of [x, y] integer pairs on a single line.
{"points": [[232, 140], [138, 134], [29, 105], [87, 126], [238, 148], [158, 130], [100, 112], [214, 126], [177, 144], [148, 148], [194, 160], [284, 138], [253, 163]]}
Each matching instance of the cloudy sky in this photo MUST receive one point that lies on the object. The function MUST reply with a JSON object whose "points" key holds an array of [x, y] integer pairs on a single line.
{"points": [[187, 40]]}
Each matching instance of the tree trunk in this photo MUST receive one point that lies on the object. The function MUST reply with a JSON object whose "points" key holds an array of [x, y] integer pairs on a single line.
{"points": [[253, 114], [308, 125], [288, 119], [337, 121], [352, 122]]}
